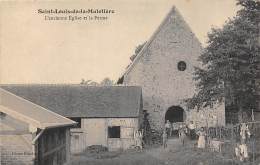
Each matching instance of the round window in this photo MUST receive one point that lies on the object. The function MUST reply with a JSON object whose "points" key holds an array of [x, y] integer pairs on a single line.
{"points": [[181, 66]]}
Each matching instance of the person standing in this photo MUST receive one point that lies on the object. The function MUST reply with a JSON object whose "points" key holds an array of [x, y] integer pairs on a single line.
{"points": [[140, 141], [244, 132], [164, 138], [241, 152], [138, 136], [168, 128], [201, 140], [182, 134], [192, 133], [238, 152]]}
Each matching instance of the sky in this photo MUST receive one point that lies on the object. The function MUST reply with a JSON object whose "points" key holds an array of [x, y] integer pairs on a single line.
{"points": [[35, 50]]}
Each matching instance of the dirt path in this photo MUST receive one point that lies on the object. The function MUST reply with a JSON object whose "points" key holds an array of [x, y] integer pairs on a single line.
{"points": [[173, 145], [174, 154]]}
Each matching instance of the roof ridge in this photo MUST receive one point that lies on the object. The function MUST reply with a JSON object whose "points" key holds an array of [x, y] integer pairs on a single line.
{"points": [[157, 30], [98, 86], [140, 54]]}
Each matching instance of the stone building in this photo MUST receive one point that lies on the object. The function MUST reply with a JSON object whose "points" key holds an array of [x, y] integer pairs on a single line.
{"points": [[164, 68], [31, 134], [106, 116]]}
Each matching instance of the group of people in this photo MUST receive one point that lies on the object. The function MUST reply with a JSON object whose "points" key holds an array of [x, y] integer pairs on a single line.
{"points": [[241, 150], [183, 131], [175, 128]]}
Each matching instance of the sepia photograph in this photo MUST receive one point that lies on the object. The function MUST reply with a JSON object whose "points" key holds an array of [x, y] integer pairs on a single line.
{"points": [[130, 82]]}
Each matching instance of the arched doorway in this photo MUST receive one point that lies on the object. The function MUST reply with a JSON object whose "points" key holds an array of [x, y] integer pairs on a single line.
{"points": [[174, 114]]}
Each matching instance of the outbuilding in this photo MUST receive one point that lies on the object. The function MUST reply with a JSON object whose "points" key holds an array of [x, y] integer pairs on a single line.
{"points": [[106, 115], [31, 134]]}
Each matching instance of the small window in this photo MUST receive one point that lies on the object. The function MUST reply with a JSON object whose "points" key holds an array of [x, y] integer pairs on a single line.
{"points": [[78, 120], [114, 132], [181, 66]]}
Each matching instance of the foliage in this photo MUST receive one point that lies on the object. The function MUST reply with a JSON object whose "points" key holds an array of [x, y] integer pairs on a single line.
{"points": [[137, 50], [230, 62], [105, 82], [88, 82]]}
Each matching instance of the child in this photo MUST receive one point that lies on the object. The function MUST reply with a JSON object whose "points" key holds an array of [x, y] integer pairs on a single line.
{"points": [[243, 151], [238, 152], [164, 138]]}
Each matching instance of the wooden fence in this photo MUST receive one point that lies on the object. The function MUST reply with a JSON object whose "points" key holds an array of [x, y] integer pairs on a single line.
{"points": [[229, 137]]}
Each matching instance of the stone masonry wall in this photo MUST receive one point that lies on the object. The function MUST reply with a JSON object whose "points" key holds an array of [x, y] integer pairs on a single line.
{"points": [[156, 70]]}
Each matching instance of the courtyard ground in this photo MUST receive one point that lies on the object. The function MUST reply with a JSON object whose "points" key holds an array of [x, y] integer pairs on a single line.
{"points": [[174, 154]]}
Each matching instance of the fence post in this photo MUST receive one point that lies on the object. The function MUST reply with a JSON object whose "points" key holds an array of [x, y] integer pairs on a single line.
{"points": [[253, 151], [253, 147], [220, 133], [232, 141], [216, 132]]}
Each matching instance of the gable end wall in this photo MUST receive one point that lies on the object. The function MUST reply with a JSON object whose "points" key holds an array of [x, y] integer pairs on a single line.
{"points": [[163, 85]]}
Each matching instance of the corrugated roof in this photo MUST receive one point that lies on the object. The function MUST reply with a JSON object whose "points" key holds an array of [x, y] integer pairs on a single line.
{"points": [[29, 112], [81, 100]]}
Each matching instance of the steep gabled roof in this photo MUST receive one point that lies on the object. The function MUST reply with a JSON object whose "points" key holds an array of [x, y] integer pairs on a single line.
{"points": [[29, 112], [171, 13], [83, 101]]}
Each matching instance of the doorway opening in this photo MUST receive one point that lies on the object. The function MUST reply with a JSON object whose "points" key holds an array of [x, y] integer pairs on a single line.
{"points": [[174, 114], [174, 117]]}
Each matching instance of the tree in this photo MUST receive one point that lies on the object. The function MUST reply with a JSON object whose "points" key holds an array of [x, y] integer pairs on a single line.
{"points": [[230, 62], [137, 50], [107, 82], [88, 82]]}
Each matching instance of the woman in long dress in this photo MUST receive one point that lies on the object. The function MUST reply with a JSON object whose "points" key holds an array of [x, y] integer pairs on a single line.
{"points": [[182, 134], [201, 140]]}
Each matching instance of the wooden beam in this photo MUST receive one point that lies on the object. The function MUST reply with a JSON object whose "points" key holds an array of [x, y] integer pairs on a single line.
{"points": [[54, 150], [68, 145], [37, 136]]}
